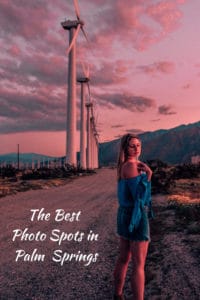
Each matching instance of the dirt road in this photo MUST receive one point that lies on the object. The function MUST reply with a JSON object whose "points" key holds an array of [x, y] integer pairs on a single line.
{"points": [[61, 244]]}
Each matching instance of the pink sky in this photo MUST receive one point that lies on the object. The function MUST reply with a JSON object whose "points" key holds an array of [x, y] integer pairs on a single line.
{"points": [[144, 68]]}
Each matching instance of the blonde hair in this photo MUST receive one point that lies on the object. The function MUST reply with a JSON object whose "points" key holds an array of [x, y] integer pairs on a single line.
{"points": [[123, 151]]}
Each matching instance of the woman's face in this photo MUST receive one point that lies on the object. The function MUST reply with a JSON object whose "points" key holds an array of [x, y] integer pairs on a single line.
{"points": [[134, 148]]}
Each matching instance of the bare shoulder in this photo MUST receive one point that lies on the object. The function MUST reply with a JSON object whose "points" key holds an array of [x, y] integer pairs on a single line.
{"points": [[129, 169]]}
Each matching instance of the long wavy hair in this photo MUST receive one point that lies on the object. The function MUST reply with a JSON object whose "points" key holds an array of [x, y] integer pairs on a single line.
{"points": [[123, 151]]}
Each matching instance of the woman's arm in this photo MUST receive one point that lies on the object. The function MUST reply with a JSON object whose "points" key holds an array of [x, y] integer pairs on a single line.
{"points": [[142, 167]]}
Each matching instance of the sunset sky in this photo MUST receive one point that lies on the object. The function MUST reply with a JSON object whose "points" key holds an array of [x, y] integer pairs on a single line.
{"points": [[144, 61]]}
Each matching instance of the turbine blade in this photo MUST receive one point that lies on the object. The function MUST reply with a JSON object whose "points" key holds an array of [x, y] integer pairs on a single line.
{"points": [[83, 68], [89, 92], [85, 71], [89, 43], [74, 39], [77, 10], [88, 72], [85, 35]]}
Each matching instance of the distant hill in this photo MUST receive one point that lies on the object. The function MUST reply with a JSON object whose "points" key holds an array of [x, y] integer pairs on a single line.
{"points": [[176, 145], [24, 157]]}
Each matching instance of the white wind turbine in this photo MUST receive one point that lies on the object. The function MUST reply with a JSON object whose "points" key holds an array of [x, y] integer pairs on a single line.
{"points": [[92, 140], [74, 28]]}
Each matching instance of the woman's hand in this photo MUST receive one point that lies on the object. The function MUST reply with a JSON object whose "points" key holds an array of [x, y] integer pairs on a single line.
{"points": [[142, 167]]}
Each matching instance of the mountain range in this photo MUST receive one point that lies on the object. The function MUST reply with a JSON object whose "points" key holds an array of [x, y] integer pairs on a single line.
{"points": [[174, 146]]}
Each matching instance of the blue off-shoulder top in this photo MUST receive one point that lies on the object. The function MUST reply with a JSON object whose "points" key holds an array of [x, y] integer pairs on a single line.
{"points": [[135, 192]]}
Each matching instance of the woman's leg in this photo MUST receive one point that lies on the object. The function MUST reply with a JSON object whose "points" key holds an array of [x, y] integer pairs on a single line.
{"points": [[121, 266], [139, 253]]}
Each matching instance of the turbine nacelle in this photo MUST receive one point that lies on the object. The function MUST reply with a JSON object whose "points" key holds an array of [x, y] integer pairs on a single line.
{"points": [[89, 104], [83, 79], [68, 24]]}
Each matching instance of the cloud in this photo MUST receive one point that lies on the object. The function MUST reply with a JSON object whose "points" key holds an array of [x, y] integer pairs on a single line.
{"points": [[166, 110], [166, 14], [181, 1], [24, 111], [34, 70], [155, 120], [44, 110], [110, 73], [117, 126], [47, 69], [126, 101], [27, 125], [24, 18], [141, 23], [164, 67], [14, 50], [186, 86], [134, 131]]}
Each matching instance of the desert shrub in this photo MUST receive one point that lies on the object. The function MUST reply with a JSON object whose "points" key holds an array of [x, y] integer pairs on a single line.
{"points": [[164, 176], [186, 171], [45, 173], [155, 164], [7, 171], [162, 180]]}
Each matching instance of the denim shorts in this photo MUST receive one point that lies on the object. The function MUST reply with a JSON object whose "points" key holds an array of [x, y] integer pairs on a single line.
{"points": [[141, 233]]}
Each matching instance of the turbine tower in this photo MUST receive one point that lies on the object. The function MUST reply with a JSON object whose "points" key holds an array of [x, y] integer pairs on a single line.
{"points": [[83, 81], [92, 140], [73, 27], [88, 156]]}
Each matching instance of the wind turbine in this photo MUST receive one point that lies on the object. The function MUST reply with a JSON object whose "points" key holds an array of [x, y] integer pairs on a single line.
{"points": [[74, 27], [92, 140]]}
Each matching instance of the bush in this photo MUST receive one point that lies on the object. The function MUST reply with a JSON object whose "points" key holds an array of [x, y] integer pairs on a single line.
{"points": [[7, 171], [186, 171]]}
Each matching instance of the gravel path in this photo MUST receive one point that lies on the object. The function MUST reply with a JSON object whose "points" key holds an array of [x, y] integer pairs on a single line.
{"points": [[171, 271]]}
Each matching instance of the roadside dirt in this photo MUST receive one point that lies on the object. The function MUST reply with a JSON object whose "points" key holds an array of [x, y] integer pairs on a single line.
{"points": [[172, 268]]}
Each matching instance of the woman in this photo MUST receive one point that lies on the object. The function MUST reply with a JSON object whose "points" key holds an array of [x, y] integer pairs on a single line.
{"points": [[134, 195]]}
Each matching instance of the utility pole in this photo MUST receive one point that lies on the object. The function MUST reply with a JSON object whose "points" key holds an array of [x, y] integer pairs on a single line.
{"points": [[18, 156]]}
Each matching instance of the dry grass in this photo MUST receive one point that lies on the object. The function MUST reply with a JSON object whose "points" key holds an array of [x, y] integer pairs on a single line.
{"points": [[186, 204], [13, 186], [185, 192], [179, 199]]}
